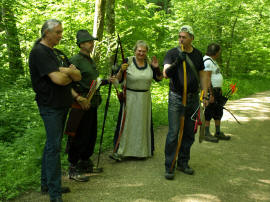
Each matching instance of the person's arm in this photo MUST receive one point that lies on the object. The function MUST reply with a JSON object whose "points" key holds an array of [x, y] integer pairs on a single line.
{"points": [[72, 72], [209, 69], [204, 78], [156, 71], [124, 67], [169, 70], [60, 78], [82, 101]]}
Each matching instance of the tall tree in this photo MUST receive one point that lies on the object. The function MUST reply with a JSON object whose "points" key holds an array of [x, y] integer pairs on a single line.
{"points": [[11, 36], [110, 25], [99, 19], [98, 25]]}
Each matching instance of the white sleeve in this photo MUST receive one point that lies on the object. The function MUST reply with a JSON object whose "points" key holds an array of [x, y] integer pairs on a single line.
{"points": [[208, 65]]}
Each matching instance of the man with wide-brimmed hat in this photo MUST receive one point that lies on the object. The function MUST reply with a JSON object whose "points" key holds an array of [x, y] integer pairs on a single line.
{"points": [[81, 147]]}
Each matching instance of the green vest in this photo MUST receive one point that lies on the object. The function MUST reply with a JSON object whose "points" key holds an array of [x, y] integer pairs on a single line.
{"points": [[89, 73]]}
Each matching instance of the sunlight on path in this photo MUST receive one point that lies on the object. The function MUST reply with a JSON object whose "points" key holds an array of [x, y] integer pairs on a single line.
{"points": [[247, 109]]}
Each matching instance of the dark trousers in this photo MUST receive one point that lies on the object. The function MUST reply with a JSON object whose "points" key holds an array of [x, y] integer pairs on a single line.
{"points": [[215, 110], [82, 145], [54, 122], [175, 111]]}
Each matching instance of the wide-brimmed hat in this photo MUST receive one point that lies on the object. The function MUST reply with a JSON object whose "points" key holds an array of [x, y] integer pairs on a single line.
{"points": [[83, 36]]}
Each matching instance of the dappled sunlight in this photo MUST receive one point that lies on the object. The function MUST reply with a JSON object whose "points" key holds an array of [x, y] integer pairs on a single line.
{"points": [[238, 181], [196, 198], [248, 109], [142, 200], [250, 168], [260, 196], [265, 181], [117, 185]]}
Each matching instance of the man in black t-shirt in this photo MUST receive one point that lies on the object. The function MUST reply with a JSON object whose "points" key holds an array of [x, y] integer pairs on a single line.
{"points": [[173, 69], [51, 76]]}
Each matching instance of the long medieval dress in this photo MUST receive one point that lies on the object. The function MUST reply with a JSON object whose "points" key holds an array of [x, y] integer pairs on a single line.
{"points": [[137, 139]]}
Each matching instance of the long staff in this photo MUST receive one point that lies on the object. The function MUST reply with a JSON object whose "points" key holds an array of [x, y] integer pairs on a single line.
{"points": [[124, 100], [106, 108], [182, 119]]}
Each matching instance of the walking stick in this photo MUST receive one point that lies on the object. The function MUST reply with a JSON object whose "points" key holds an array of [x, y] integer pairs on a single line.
{"points": [[182, 119], [106, 108]]}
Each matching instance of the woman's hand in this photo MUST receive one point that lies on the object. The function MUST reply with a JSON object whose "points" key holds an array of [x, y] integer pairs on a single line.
{"points": [[154, 62], [124, 66]]}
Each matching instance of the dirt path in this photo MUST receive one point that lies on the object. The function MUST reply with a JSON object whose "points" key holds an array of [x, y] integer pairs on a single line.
{"points": [[236, 170]]}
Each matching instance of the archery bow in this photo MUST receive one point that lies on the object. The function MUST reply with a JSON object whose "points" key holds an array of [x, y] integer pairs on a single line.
{"points": [[107, 106], [182, 119]]}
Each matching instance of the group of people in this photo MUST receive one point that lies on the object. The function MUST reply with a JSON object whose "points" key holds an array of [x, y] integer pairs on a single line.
{"points": [[58, 82]]}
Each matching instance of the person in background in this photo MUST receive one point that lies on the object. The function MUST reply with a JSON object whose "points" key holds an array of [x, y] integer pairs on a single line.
{"points": [[81, 147], [137, 139], [173, 69], [51, 76], [214, 109]]}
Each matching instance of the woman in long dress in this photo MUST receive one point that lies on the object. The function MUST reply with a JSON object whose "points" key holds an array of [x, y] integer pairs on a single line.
{"points": [[134, 135]]}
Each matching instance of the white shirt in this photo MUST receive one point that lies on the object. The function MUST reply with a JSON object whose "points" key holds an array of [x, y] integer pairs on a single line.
{"points": [[216, 76]]}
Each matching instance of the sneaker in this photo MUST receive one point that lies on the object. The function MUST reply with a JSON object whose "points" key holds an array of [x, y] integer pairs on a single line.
{"points": [[169, 175], [115, 157], [45, 190], [210, 138], [222, 136], [187, 170], [75, 175]]}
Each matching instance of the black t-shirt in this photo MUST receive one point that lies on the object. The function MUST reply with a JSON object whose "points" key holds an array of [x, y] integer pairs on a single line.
{"points": [[42, 61], [177, 78]]}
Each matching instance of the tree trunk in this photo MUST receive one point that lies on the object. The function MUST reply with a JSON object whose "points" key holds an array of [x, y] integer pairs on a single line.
{"points": [[99, 19], [12, 40], [98, 26], [110, 25], [230, 47]]}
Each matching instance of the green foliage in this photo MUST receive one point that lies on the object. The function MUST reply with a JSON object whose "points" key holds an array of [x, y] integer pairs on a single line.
{"points": [[241, 27], [20, 163]]}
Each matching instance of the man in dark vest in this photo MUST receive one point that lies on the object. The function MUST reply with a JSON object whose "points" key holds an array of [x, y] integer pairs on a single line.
{"points": [[81, 147], [52, 75]]}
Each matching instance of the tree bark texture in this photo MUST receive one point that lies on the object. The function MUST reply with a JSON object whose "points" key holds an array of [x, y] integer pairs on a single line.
{"points": [[12, 40]]}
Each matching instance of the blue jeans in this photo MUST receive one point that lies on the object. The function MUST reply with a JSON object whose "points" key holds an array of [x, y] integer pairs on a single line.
{"points": [[175, 111], [54, 121]]}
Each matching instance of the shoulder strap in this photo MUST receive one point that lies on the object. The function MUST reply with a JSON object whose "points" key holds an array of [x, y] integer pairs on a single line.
{"points": [[208, 59], [192, 66]]}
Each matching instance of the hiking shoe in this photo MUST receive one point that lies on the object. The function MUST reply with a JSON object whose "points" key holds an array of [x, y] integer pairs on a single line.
{"points": [[169, 175], [222, 136], [74, 174], [45, 190], [187, 170], [115, 157], [210, 138]]}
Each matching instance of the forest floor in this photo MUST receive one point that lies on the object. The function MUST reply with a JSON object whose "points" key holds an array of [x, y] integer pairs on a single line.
{"points": [[237, 170]]}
